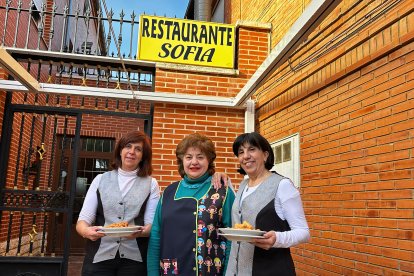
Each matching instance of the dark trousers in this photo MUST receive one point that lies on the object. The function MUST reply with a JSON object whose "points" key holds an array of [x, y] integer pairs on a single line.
{"points": [[115, 267]]}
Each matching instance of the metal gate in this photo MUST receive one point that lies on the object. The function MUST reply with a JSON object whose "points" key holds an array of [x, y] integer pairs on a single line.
{"points": [[39, 148]]}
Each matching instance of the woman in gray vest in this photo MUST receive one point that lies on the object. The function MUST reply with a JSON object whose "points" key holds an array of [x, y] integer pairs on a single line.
{"points": [[126, 194], [269, 202]]}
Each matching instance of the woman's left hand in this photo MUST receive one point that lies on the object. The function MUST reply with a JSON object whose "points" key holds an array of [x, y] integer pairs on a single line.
{"points": [[218, 178], [268, 241], [143, 232]]}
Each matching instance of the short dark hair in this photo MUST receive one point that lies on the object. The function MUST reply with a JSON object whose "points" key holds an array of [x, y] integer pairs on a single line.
{"points": [[256, 140], [201, 142], [145, 166]]}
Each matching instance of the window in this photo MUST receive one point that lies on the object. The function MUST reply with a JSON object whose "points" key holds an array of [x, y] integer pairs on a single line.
{"points": [[287, 161]]}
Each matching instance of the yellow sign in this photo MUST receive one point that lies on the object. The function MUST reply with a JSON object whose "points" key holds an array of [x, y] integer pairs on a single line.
{"points": [[182, 41]]}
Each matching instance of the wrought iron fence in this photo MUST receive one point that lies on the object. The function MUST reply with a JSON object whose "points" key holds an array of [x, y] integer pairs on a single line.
{"points": [[73, 44], [80, 30]]}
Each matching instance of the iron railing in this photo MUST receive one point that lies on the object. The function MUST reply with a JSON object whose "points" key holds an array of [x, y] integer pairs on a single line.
{"points": [[68, 44]]}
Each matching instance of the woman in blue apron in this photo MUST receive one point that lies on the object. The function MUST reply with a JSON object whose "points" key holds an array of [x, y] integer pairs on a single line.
{"points": [[184, 237]]}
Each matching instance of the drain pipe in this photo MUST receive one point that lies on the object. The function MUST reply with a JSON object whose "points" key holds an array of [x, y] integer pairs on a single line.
{"points": [[202, 10], [249, 116]]}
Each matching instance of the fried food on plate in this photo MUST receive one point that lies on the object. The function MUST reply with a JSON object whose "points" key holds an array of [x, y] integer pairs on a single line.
{"points": [[117, 224], [245, 225]]}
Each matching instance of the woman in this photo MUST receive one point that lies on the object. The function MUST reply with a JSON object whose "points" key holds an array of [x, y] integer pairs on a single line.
{"points": [[269, 202], [128, 193], [184, 236]]}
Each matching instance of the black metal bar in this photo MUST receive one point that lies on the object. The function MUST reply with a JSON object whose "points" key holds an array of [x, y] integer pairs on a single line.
{"points": [[29, 156], [75, 153], [62, 147], [5, 140], [39, 68], [29, 21], [19, 244], [52, 154], [70, 73], [54, 231], [5, 21], [49, 79], [88, 13], [9, 231], [121, 23], [41, 25], [98, 77], [60, 70], [19, 11], [131, 34], [52, 26], [42, 247], [64, 28], [32, 238], [148, 124], [98, 30], [19, 150], [76, 26], [40, 160]]}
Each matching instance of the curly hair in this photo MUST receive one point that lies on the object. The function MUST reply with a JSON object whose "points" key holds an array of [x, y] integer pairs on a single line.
{"points": [[198, 141]]}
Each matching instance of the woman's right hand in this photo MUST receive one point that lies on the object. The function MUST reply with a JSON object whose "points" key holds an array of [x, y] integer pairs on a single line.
{"points": [[91, 233]]}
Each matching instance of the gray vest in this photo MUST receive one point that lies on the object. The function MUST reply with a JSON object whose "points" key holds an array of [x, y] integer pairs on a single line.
{"points": [[241, 254], [116, 209]]}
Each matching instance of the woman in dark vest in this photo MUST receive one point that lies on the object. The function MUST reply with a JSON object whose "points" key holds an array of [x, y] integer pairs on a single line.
{"points": [[126, 194], [269, 202], [184, 238]]}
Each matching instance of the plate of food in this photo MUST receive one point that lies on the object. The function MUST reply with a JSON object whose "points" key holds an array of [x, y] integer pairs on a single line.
{"points": [[244, 229], [240, 237], [120, 229]]}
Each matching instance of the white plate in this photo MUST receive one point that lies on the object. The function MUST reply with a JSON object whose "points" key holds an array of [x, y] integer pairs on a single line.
{"points": [[121, 229], [233, 231], [236, 237], [119, 233]]}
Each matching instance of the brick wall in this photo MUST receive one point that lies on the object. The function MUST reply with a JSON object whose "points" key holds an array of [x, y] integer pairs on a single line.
{"points": [[173, 121], [281, 13], [349, 92]]}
